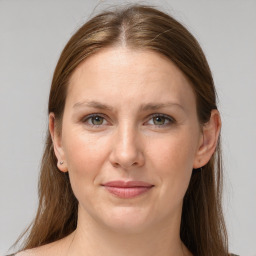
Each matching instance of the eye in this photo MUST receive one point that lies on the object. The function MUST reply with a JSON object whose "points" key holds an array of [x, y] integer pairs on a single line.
{"points": [[95, 120], [161, 120]]}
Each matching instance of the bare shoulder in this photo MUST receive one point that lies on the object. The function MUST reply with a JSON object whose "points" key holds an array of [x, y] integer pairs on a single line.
{"points": [[49, 249], [52, 249]]}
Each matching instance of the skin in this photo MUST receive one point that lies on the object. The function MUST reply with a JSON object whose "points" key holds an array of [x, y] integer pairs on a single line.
{"points": [[149, 132]]}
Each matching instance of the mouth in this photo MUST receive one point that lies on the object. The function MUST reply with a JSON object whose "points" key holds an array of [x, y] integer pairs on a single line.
{"points": [[127, 189]]}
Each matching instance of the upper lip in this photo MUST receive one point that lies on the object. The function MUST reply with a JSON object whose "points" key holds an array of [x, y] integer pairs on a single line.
{"points": [[127, 184]]}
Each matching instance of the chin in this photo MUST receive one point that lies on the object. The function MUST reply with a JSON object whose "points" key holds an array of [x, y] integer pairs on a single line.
{"points": [[127, 220]]}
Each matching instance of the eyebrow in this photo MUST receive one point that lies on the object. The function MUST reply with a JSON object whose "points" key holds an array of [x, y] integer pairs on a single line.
{"points": [[92, 104], [143, 107], [153, 106]]}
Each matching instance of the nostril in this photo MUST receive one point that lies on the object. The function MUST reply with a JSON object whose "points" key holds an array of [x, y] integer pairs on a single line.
{"points": [[116, 164], [124, 156]]}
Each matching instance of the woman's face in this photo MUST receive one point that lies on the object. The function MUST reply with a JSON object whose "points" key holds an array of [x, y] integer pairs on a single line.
{"points": [[130, 116]]}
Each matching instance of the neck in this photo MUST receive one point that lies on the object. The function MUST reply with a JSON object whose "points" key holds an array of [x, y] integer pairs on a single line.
{"points": [[92, 239]]}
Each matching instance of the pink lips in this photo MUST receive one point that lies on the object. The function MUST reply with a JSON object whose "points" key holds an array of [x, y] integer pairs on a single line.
{"points": [[127, 189]]}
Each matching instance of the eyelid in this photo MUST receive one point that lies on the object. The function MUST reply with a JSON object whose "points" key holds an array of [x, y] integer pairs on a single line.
{"points": [[87, 117], [169, 118]]}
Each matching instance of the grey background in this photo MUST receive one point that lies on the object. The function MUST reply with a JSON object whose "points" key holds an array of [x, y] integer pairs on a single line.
{"points": [[32, 35]]}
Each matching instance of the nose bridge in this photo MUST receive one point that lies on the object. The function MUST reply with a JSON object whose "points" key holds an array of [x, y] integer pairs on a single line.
{"points": [[126, 149], [127, 136]]}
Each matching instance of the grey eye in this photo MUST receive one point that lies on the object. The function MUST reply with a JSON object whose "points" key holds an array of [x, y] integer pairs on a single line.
{"points": [[159, 120], [97, 120]]}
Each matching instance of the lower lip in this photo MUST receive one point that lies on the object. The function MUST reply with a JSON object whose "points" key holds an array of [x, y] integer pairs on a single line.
{"points": [[128, 192]]}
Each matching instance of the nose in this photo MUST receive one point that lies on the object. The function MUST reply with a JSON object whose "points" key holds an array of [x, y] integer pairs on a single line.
{"points": [[127, 149]]}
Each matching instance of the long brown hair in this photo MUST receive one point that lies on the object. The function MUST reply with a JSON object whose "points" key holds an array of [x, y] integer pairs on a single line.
{"points": [[137, 27]]}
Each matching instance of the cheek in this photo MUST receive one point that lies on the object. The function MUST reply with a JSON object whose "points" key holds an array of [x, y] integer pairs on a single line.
{"points": [[85, 155], [83, 149], [175, 152], [173, 160]]}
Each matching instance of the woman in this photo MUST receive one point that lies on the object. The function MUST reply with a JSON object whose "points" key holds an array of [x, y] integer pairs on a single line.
{"points": [[132, 163]]}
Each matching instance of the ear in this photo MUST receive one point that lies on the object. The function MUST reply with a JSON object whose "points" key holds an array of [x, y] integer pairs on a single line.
{"points": [[209, 140], [56, 141]]}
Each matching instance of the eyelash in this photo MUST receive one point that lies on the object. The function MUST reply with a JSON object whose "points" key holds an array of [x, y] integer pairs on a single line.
{"points": [[87, 118], [170, 120]]}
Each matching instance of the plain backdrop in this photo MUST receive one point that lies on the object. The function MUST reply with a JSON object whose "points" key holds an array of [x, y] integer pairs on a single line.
{"points": [[32, 35]]}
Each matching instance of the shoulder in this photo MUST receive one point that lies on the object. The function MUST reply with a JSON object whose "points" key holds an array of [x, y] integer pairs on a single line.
{"points": [[52, 249], [24, 253], [38, 251]]}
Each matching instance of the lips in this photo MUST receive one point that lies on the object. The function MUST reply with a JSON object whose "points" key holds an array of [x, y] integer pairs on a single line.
{"points": [[127, 189], [127, 184]]}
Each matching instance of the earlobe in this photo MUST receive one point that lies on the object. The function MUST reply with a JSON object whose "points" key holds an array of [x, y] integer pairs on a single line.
{"points": [[209, 140], [57, 145]]}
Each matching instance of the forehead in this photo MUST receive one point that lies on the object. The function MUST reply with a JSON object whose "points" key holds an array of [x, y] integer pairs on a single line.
{"points": [[127, 74]]}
